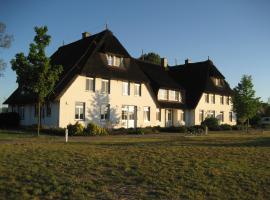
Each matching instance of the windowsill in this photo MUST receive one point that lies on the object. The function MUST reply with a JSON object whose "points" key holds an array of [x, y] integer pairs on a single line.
{"points": [[79, 119]]}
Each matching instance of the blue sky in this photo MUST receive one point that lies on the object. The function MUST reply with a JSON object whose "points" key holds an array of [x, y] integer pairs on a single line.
{"points": [[235, 34]]}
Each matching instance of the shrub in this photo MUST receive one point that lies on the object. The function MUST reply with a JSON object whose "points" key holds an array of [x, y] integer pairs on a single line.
{"points": [[93, 129], [9, 120], [196, 129], [75, 129], [225, 127], [211, 123], [173, 129], [135, 131], [54, 131]]}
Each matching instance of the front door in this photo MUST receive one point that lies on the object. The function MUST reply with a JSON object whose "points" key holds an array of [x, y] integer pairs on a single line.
{"points": [[128, 116], [169, 117]]}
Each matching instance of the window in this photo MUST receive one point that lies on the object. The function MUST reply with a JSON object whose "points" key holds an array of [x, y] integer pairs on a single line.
{"points": [[124, 112], [182, 116], [158, 114], [201, 115], [169, 115], [172, 95], [163, 94], [48, 110], [178, 96], [105, 86], [115, 61], [125, 88], [213, 98], [146, 114], [231, 116], [228, 100], [206, 98], [104, 112], [221, 118], [137, 89], [90, 84], [222, 100], [217, 81], [211, 113], [79, 110], [110, 60], [21, 112]]}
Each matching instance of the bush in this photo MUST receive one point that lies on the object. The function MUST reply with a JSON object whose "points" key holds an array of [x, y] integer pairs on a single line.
{"points": [[211, 123], [93, 129], [225, 127], [135, 131], [53, 131], [196, 129], [76, 129], [9, 120], [173, 129]]}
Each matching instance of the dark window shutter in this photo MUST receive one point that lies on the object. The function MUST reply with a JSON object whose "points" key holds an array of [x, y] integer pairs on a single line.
{"points": [[128, 88], [87, 84]]}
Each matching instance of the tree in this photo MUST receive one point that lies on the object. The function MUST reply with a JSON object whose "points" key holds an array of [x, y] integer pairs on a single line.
{"points": [[151, 57], [5, 42], [35, 73], [245, 104]]}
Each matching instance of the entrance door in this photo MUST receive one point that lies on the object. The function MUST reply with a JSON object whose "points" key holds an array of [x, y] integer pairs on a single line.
{"points": [[128, 116], [169, 117]]}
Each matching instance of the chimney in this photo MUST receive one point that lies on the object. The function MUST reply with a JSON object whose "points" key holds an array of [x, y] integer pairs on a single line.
{"points": [[187, 61], [164, 62], [85, 34]]}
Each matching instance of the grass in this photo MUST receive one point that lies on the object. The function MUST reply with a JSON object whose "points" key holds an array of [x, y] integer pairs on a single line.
{"points": [[166, 166]]}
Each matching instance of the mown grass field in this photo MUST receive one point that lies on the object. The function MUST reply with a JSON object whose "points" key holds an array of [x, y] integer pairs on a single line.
{"points": [[166, 166]]}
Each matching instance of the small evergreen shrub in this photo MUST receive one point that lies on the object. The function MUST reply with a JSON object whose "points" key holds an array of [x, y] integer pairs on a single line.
{"points": [[75, 129], [211, 123], [9, 120], [225, 127], [93, 129]]}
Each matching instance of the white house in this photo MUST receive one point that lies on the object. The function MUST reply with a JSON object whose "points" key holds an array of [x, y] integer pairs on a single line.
{"points": [[102, 83]]}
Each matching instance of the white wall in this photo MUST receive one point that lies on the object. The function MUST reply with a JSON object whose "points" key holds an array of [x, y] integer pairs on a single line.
{"points": [[93, 100], [217, 107]]}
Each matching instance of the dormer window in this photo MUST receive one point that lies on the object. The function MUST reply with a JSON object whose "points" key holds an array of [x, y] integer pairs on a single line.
{"points": [[217, 81], [115, 61]]}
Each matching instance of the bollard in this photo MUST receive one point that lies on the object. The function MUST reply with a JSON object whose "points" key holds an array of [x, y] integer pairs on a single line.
{"points": [[206, 130], [66, 135]]}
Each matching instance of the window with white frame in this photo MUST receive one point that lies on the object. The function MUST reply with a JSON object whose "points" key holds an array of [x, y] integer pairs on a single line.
{"points": [[213, 98], [182, 116], [115, 60], [79, 110], [221, 116], [228, 100], [172, 95], [201, 115], [110, 60], [163, 94], [125, 88], [211, 113], [217, 81], [105, 86], [124, 115], [104, 112], [90, 84], [137, 89], [158, 114], [146, 113]]}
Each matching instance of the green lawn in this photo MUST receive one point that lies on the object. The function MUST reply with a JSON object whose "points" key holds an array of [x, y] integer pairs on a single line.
{"points": [[166, 166]]}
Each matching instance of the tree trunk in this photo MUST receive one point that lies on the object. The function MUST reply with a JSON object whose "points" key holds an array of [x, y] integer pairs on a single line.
{"points": [[247, 125], [39, 113]]}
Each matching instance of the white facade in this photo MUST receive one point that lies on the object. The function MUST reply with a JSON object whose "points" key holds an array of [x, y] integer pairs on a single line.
{"points": [[125, 109]]}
